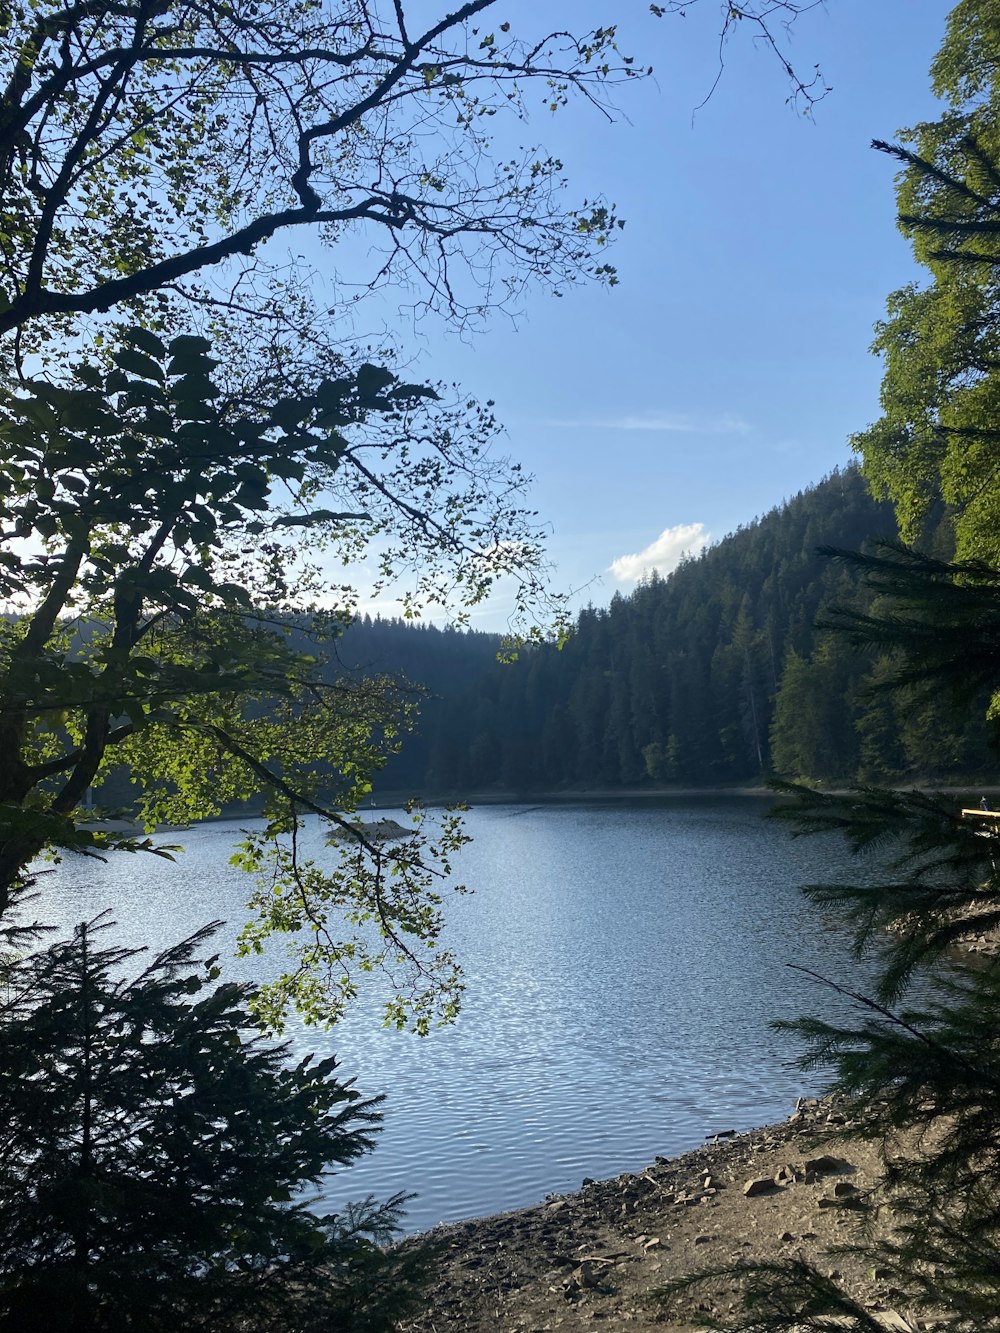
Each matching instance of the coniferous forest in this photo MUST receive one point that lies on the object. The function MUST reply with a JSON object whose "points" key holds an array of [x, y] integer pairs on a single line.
{"points": [[719, 674]]}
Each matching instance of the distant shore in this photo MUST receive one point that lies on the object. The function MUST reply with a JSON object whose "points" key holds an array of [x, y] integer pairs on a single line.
{"points": [[393, 799]]}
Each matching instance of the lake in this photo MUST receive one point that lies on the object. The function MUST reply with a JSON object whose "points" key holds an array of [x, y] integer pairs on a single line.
{"points": [[623, 962]]}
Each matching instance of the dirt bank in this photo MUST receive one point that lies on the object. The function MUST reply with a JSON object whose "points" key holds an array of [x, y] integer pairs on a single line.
{"points": [[592, 1259]]}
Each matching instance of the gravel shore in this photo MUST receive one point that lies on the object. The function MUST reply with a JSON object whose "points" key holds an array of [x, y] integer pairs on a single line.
{"points": [[595, 1258]]}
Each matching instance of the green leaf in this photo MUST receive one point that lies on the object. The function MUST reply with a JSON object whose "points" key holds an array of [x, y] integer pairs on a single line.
{"points": [[135, 363], [197, 577], [194, 409], [194, 389], [143, 394], [372, 380], [414, 391], [160, 424], [289, 412], [89, 376], [318, 516], [286, 468], [234, 592], [86, 411], [189, 345], [191, 363], [145, 341]]}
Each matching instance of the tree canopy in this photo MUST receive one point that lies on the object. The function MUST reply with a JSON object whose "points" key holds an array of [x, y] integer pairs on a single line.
{"points": [[937, 436], [717, 674], [142, 145]]}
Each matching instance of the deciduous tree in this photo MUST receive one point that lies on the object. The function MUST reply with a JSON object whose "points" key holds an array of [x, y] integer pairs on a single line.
{"points": [[180, 530], [168, 511], [937, 437]]}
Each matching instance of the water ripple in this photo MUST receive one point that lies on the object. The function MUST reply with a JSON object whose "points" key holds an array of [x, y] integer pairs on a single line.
{"points": [[623, 965]]}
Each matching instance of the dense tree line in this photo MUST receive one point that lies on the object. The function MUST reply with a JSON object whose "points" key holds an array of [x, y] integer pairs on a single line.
{"points": [[720, 673]]}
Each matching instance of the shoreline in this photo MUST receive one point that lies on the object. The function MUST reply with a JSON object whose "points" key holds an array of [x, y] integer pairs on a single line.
{"points": [[593, 1258], [394, 800]]}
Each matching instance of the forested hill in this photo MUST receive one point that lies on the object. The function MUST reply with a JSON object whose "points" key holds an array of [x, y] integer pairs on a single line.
{"points": [[714, 675]]}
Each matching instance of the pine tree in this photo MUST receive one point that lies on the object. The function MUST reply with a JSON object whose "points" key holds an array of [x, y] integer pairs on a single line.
{"points": [[925, 1078], [157, 1153]]}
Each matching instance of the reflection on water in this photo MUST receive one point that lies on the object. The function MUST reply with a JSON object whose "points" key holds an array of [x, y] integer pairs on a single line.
{"points": [[622, 963]]}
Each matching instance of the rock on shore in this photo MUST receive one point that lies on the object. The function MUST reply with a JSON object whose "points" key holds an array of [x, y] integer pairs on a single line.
{"points": [[592, 1259]]}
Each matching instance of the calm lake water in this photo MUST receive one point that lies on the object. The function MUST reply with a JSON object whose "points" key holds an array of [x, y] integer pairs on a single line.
{"points": [[623, 963]]}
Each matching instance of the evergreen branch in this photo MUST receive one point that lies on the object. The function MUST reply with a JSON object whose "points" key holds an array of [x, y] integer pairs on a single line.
{"points": [[959, 226], [927, 168], [982, 158], [895, 1020], [969, 257]]}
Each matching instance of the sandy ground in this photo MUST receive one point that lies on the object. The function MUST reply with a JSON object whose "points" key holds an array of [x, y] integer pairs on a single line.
{"points": [[595, 1259]]}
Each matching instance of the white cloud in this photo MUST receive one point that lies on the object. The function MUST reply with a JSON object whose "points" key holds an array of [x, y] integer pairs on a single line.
{"points": [[663, 422], [663, 555]]}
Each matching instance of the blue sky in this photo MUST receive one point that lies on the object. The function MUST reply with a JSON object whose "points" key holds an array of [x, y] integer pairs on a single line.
{"points": [[729, 367]]}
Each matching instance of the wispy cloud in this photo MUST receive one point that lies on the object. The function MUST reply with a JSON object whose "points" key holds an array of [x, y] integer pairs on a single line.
{"points": [[671, 423], [662, 555]]}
